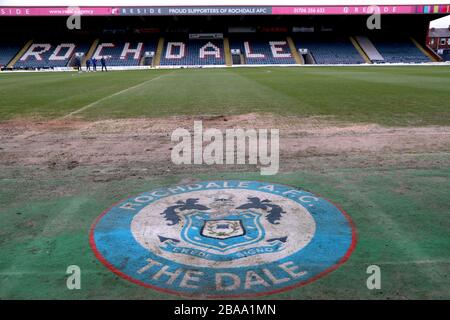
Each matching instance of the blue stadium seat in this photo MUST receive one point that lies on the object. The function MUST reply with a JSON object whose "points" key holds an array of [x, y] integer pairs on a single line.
{"points": [[264, 51], [50, 55], [8, 50], [196, 53], [446, 55], [330, 51], [399, 51], [113, 51]]}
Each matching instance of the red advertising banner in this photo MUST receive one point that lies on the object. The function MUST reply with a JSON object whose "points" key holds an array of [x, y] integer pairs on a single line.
{"points": [[224, 10], [344, 10], [57, 11]]}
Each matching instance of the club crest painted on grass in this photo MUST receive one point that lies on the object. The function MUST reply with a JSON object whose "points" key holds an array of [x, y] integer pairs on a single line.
{"points": [[223, 238]]}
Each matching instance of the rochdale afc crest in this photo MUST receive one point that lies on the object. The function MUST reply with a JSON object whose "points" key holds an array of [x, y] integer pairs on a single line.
{"points": [[223, 238]]}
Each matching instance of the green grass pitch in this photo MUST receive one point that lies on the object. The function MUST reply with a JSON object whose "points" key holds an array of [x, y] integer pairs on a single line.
{"points": [[401, 213], [385, 95]]}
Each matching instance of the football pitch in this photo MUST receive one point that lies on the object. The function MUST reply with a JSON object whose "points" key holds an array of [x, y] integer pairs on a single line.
{"points": [[384, 95], [373, 140]]}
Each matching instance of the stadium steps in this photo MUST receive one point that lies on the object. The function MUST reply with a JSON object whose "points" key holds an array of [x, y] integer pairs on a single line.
{"points": [[20, 54], [294, 51], [313, 59], [360, 50], [91, 51], [434, 54], [159, 50], [227, 51], [429, 53], [243, 60]]}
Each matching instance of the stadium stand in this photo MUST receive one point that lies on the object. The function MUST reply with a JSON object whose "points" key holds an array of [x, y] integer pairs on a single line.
{"points": [[179, 52], [369, 49], [399, 50], [8, 51], [252, 49], [446, 55], [42, 55], [179, 40], [259, 51], [328, 50], [121, 53]]}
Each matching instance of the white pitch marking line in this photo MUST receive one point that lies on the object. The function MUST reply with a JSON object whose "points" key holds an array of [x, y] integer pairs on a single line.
{"points": [[112, 95]]}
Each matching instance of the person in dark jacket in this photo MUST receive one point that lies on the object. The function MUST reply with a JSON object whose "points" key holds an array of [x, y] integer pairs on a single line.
{"points": [[88, 65], [94, 63], [78, 63], [103, 62]]}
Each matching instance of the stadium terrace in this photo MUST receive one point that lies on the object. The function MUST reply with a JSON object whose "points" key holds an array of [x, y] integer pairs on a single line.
{"points": [[219, 37]]}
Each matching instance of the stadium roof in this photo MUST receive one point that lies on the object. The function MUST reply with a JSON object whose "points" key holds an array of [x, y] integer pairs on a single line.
{"points": [[443, 22]]}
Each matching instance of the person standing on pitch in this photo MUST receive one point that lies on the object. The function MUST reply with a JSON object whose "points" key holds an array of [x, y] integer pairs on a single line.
{"points": [[103, 62], [78, 64], [94, 64], [88, 65]]}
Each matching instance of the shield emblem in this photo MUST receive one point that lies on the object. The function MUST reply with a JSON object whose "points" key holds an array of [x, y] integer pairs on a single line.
{"points": [[230, 231], [222, 229]]}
